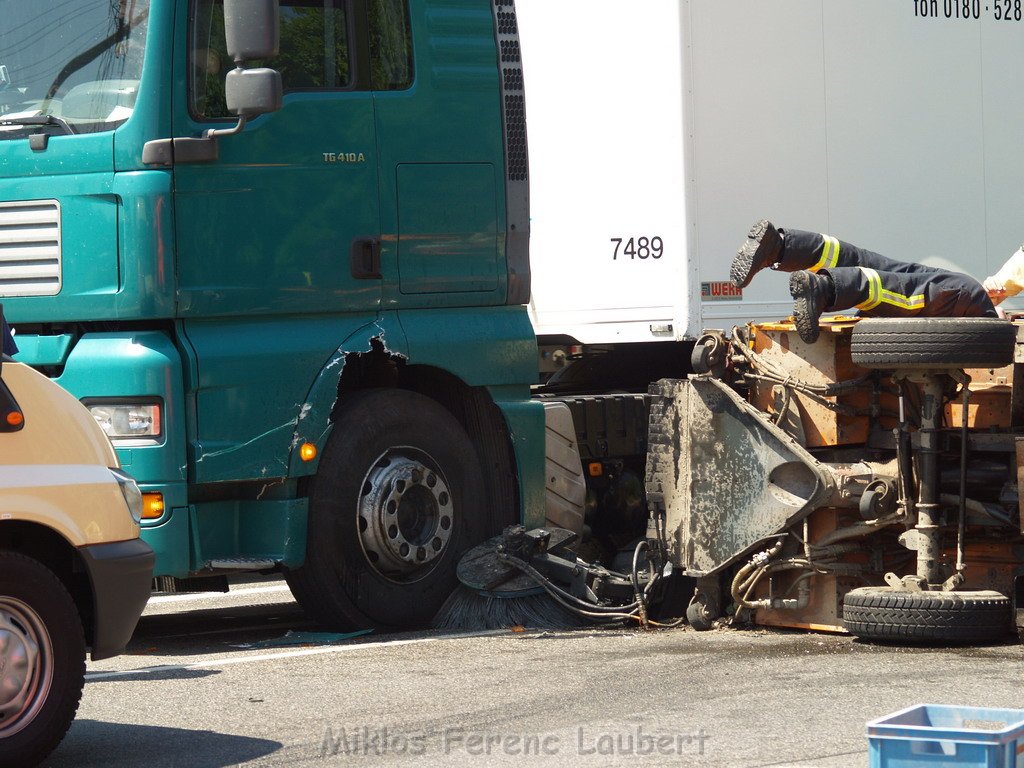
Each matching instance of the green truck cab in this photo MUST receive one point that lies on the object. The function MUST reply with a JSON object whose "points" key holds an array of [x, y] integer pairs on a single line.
{"points": [[288, 283]]}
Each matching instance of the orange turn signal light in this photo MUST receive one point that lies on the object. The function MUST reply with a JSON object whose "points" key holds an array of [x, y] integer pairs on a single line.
{"points": [[595, 468], [307, 451], [152, 505], [15, 418]]}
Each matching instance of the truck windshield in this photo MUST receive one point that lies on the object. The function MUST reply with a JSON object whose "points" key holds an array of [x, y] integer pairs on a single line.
{"points": [[69, 66]]}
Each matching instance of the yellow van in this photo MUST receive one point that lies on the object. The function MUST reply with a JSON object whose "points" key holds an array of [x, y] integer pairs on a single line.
{"points": [[73, 572]]}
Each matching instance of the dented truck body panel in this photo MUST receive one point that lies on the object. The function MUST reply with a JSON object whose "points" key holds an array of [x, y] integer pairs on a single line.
{"points": [[234, 294], [250, 411]]}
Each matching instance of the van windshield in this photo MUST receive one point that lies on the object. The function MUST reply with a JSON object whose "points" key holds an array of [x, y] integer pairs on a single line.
{"points": [[69, 66]]}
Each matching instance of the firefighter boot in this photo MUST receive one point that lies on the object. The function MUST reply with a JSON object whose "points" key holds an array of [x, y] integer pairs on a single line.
{"points": [[811, 297], [763, 248]]}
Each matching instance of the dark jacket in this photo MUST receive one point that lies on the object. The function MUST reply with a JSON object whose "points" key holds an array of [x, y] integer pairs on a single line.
{"points": [[10, 347]]}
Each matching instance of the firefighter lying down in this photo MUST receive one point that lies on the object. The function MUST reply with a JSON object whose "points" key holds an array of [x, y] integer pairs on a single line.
{"points": [[832, 275]]}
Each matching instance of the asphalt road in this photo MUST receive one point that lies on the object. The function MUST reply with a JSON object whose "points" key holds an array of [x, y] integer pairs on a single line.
{"points": [[244, 679]]}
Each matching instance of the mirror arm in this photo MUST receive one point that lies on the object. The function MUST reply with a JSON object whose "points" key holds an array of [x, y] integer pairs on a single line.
{"points": [[212, 133]]}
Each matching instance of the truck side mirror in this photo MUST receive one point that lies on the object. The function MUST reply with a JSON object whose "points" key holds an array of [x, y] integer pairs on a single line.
{"points": [[252, 92], [252, 29]]}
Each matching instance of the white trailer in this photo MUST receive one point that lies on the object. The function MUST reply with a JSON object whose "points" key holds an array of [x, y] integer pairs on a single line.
{"points": [[660, 130]]}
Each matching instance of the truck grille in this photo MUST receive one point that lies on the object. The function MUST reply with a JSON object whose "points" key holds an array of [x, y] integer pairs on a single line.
{"points": [[30, 248]]}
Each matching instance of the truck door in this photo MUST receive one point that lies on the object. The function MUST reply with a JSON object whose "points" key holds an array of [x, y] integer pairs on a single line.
{"points": [[442, 160], [278, 238], [286, 220]]}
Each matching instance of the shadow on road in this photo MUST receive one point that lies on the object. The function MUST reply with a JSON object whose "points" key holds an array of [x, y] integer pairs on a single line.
{"points": [[96, 743], [149, 674], [214, 630]]}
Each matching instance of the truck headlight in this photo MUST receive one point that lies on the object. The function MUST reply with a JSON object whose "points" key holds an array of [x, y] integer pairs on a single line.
{"points": [[127, 421], [130, 491]]}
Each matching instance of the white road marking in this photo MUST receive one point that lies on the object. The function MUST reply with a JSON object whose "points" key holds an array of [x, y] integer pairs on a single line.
{"points": [[223, 662]]}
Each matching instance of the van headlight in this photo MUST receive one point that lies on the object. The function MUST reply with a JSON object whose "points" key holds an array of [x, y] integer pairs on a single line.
{"points": [[130, 491], [122, 421]]}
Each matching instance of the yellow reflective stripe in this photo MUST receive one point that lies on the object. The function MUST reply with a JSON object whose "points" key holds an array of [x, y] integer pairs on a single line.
{"points": [[874, 289], [903, 302], [834, 259], [879, 295], [829, 255]]}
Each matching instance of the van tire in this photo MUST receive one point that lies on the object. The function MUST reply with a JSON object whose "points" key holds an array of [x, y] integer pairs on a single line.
{"points": [[895, 615], [398, 469], [932, 342], [36, 607]]}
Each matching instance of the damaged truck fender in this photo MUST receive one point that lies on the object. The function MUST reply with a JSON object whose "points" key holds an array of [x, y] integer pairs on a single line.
{"points": [[313, 421]]}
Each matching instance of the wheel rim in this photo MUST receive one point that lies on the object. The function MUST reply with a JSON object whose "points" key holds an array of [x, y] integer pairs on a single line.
{"points": [[406, 517], [26, 665]]}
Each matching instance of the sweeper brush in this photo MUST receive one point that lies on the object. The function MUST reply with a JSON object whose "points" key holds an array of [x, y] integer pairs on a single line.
{"points": [[532, 579]]}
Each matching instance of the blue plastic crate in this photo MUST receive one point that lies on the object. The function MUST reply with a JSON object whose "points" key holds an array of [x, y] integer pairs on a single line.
{"points": [[939, 736]]}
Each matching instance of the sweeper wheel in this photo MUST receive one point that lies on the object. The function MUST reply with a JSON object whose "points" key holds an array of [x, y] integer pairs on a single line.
{"points": [[932, 342], [894, 615], [702, 611]]}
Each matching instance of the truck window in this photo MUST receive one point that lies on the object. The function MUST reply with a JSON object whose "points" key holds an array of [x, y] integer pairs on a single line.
{"points": [[315, 52], [390, 45], [81, 81]]}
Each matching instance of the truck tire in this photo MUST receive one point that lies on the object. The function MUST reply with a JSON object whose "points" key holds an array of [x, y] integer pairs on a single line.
{"points": [[892, 615], [932, 342], [397, 499], [42, 660]]}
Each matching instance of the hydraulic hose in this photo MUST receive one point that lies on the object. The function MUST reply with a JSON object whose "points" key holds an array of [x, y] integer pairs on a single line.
{"points": [[569, 601], [641, 595], [760, 565]]}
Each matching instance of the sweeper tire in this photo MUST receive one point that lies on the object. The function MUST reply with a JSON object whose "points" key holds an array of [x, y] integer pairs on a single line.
{"points": [[895, 615], [932, 342], [702, 612]]}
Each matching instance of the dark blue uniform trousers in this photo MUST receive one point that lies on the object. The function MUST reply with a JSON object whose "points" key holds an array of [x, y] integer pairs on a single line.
{"points": [[882, 287]]}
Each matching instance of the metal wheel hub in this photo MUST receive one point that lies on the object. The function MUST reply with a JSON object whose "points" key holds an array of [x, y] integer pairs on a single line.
{"points": [[25, 670], [406, 516]]}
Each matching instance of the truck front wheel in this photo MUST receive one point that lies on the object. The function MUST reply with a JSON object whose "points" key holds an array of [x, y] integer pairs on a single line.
{"points": [[42, 660], [398, 497]]}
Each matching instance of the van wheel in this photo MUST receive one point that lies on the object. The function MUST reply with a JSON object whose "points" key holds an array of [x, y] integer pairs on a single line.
{"points": [[892, 615], [42, 660], [397, 499], [932, 342]]}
